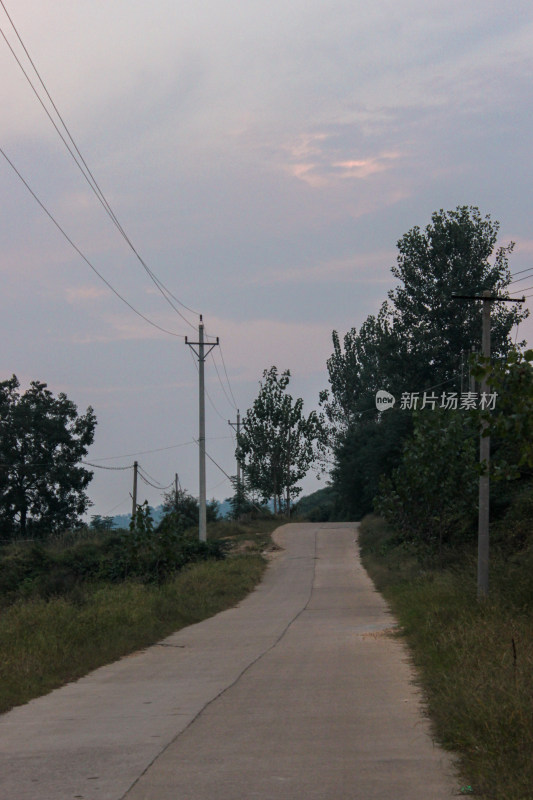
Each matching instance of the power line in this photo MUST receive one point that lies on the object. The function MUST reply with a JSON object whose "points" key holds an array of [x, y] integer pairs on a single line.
{"points": [[85, 169], [146, 452], [100, 466], [84, 257], [525, 278], [520, 271], [227, 378], [220, 381], [212, 488], [115, 507], [523, 290], [153, 485], [215, 409]]}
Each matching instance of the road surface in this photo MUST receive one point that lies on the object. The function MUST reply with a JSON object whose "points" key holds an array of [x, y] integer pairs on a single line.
{"points": [[298, 693]]}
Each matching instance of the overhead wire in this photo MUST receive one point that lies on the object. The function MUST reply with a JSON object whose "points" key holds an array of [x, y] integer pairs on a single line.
{"points": [[527, 288], [227, 378], [101, 466], [82, 255], [85, 169], [145, 452], [220, 381], [127, 499], [153, 485], [520, 271], [525, 278], [215, 409]]}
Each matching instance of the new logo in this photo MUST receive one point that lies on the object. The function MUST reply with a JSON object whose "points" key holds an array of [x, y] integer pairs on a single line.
{"points": [[384, 400]]}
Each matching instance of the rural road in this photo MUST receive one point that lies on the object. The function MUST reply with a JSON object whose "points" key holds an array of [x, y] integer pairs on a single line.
{"points": [[298, 693]]}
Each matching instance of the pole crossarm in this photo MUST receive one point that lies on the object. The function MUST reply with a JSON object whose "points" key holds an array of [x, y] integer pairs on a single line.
{"points": [[492, 297], [192, 345]]}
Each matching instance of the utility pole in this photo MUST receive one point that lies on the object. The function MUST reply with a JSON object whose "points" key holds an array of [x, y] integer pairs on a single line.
{"points": [[289, 474], [134, 495], [484, 446], [237, 427], [201, 355]]}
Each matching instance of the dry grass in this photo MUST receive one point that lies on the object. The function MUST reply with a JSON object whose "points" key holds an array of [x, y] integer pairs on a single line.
{"points": [[475, 660], [46, 643]]}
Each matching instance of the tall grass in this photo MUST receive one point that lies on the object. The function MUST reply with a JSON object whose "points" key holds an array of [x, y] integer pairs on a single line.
{"points": [[475, 659], [46, 643]]}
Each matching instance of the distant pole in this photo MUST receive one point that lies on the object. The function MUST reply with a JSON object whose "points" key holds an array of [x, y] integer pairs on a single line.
{"points": [[201, 355], [289, 475], [237, 427], [484, 460], [134, 495]]}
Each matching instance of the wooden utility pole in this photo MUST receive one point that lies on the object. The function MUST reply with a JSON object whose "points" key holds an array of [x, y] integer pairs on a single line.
{"points": [[201, 354], [484, 446]]}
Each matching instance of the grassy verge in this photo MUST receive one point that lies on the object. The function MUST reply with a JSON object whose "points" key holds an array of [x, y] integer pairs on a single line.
{"points": [[475, 660], [47, 642]]}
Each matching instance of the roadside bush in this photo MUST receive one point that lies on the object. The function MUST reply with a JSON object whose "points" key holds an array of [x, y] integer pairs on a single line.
{"points": [[141, 554], [430, 498]]}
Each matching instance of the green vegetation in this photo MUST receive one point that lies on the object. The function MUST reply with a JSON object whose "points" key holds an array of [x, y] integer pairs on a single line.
{"points": [[418, 341], [318, 506], [475, 660], [42, 440], [62, 614], [277, 444]]}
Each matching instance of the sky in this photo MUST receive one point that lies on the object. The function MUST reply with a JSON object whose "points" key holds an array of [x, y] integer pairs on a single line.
{"points": [[263, 158]]}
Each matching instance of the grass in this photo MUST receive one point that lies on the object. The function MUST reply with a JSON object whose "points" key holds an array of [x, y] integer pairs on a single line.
{"points": [[47, 642], [474, 659]]}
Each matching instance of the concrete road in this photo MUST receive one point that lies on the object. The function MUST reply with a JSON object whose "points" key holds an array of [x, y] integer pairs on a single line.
{"points": [[298, 693]]}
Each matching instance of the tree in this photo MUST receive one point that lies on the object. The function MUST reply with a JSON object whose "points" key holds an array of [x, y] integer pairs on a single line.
{"points": [[433, 491], [452, 254], [511, 423], [99, 523], [182, 510], [277, 444], [419, 339], [42, 440]]}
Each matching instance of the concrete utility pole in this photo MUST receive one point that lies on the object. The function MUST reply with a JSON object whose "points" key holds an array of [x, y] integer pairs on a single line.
{"points": [[289, 474], [484, 446], [202, 354], [484, 460], [237, 427], [134, 495]]}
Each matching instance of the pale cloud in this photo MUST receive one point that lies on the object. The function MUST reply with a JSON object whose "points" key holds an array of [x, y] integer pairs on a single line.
{"points": [[365, 167], [323, 159], [77, 294]]}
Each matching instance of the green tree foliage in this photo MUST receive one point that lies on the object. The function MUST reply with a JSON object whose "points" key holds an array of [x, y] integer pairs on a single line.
{"points": [[181, 510], [99, 523], [365, 452], [433, 490], [277, 443], [241, 503], [419, 339], [455, 253], [511, 422], [42, 440]]}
